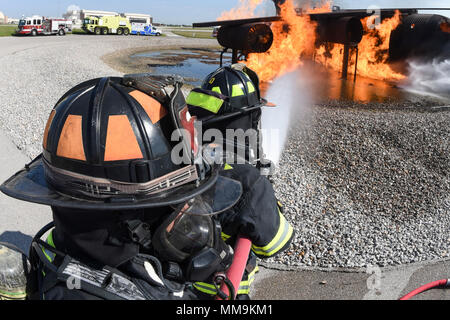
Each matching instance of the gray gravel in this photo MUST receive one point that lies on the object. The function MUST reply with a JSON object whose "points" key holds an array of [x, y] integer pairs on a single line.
{"points": [[367, 186], [361, 184]]}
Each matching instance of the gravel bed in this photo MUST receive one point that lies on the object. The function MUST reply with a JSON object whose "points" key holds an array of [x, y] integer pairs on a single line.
{"points": [[366, 186], [362, 184]]}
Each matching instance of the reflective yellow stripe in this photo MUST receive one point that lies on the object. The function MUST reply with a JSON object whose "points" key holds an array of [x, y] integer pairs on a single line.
{"points": [[205, 288], [50, 239], [251, 87], [202, 100], [244, 286], [283, 235], [227, 167], [217, 89], [50, 255], [225, 237], [237, 91]]}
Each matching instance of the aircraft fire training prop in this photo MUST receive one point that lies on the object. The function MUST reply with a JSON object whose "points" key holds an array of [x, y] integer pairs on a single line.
{"points": [[423, 36]]}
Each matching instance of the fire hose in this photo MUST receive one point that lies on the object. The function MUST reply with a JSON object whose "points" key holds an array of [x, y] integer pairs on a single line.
{"points": [[236, 271], [444, 283]]}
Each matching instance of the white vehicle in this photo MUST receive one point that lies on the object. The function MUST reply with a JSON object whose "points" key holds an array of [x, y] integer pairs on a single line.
{"points": [[57, 26], [39, 25], [144, 29]]}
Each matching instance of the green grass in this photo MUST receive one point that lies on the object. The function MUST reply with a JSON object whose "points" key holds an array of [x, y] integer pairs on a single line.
{"points": [[7, 30], [78, 31], [194, 34]]}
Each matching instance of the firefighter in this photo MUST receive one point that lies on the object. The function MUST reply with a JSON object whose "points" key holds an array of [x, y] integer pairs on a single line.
{"points": [[129, 222], [230, 98]]}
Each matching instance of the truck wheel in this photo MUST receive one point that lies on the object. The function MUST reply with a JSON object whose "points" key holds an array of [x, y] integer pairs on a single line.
{"points": [[120, 31], [97, 31], [61, 32], [126, 31], [104, 31], [34, 33]]}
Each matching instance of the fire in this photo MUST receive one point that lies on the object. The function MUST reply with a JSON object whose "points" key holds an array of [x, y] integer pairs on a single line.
{"points": [[373, 51], [246, 9], [293, 39]]}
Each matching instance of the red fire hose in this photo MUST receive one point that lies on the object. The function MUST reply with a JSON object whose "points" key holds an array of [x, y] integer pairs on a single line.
{"points": [[444, 283], [236, 271]]}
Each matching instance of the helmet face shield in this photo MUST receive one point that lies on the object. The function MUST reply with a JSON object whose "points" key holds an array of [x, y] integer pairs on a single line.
{"points": [[222, 196]]}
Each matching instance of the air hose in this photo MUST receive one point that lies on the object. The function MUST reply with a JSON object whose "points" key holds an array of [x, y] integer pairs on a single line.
{"points": [[444, 283]]}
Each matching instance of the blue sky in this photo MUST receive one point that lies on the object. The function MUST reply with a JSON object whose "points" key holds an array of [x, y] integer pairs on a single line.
{"points": [[178, 11]]}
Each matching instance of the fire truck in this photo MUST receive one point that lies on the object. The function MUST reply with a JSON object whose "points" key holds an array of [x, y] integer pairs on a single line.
{"points": [[40, 25]]}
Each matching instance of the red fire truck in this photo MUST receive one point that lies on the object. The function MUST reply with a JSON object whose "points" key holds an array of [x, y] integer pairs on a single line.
{"points": [[40, 25]]}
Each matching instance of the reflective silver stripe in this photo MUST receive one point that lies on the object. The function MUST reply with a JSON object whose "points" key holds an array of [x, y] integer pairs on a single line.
{"points": [[283, 235], [100, 187]]}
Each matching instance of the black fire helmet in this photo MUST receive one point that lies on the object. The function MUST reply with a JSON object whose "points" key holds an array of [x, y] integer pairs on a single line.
{"points": [[226, 93], [106, 147]]}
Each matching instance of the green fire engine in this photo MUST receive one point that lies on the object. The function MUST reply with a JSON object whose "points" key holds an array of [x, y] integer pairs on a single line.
{"points": [[107, 25]]}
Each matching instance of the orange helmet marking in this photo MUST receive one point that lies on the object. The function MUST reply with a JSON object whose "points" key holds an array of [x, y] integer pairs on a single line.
{"points": [[70, 143], [47, 127], [152, 107], [121, 142]]}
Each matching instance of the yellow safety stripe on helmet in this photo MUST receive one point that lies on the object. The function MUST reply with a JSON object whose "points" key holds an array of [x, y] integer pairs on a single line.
{"points": [[217, 89], [251, 87], [205, 101], [227, 167], [283, 235], [237, 91]]}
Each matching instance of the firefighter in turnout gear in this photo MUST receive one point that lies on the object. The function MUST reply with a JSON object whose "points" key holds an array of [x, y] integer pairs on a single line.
{"points": [[230, 98], [132, 219], [137, 213]]}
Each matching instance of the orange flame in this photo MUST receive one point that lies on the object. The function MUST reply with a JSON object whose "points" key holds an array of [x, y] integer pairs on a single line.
{"points": [[293, 39], [246, 9], [373, 51]]}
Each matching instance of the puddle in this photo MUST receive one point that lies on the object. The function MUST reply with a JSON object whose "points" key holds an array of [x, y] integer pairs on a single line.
{"points": [[194, 66]]}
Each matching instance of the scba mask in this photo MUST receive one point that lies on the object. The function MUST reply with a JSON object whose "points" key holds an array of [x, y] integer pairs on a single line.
{"points": [[191, 234]]}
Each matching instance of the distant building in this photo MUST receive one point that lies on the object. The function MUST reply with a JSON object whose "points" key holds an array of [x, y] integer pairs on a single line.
{"points": [[138, 17], [13, 21], [74, 16], [3, 18]]}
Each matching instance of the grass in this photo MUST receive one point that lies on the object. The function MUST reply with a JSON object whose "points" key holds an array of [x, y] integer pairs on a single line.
{"points": [[7, 30], [194, 34], [78, 31]]}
